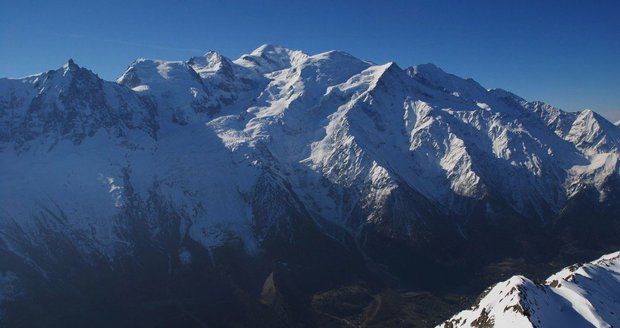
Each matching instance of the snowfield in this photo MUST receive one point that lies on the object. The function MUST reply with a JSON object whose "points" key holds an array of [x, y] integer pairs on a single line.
{"points": [[581, 295], [412, 171], [342, 132]]}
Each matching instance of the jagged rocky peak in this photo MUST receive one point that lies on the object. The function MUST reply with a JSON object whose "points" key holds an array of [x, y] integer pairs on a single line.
{"points": [[277, 140], [69, 69], [593, 120], [593, 133], [435, 111], [70, 66], [422, 127], [68, 82], [69, 73], [581, 295], [71, 103]]}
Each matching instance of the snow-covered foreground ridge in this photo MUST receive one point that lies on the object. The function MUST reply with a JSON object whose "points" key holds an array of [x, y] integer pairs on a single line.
{"points": [[280, 173], [235, 146], [581, 295]]}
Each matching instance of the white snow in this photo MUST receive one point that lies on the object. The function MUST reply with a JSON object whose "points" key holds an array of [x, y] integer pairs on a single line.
{"points": [[585, 295], [341, 131]]}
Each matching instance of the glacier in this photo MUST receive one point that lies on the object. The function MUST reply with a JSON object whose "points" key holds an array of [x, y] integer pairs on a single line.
{"points": [[278, 145]]}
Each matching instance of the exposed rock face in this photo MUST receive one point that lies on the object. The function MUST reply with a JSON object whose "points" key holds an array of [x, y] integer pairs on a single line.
{"points": [[211, 166], [70, 103]]}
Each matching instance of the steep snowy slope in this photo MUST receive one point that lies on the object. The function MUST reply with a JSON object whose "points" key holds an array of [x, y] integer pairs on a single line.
{"points": [[414, 168], [518, 135], [358, 143], [177, 88], [581, 295]]}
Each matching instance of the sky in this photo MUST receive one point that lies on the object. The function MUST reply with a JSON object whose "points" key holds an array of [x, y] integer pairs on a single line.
{"points": [[566, 53]]}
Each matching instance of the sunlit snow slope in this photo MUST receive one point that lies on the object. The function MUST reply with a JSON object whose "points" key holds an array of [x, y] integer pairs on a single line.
{"points": [[581, 295], [280, 153]]}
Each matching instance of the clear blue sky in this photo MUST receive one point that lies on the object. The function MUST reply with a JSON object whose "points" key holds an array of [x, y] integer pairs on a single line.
{"points": [[564, 52]]}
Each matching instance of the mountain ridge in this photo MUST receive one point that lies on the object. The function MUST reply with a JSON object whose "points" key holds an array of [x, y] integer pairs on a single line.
{"points": [[268, 94], [578, 295], [403, 175]]}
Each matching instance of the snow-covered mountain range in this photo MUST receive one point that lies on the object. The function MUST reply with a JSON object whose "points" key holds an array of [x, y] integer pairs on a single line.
{"points": [[256, 150], [581, 295]]}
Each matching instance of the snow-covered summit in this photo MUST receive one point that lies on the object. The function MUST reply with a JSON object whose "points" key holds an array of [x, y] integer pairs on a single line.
{"points": [[146, 74], [581, 295], [399, 147], [284, 148], [269, 58], [593, 133], [212, 63]]}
